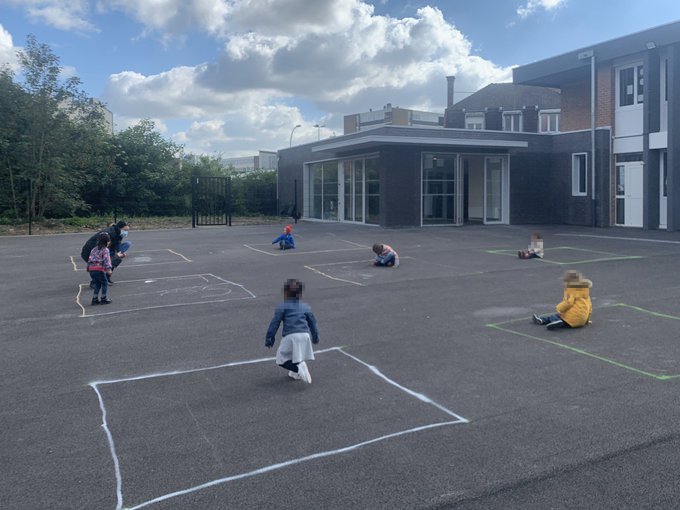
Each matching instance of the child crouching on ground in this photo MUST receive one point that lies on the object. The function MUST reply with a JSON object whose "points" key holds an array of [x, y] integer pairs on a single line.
{"points": [[575, 309], [298, 321], [99, 266], [535, 249], [285, 240], [385, 256]]}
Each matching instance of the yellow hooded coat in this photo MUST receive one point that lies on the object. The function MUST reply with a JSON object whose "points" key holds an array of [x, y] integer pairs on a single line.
{"points": [[575, 309]]}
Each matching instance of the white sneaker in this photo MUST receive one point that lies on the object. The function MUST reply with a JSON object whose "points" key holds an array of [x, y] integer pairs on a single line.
{"points": [[303, 371], [294, 375]]}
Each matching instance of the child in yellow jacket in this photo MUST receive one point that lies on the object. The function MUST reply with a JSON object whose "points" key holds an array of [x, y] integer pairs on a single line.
{"points": [[575, 309]]}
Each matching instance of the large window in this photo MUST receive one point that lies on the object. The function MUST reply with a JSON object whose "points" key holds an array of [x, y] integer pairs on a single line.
{"points": [[549, 121], [322, 201], [512, 121], [372, 176], [579, 173], [631, 85], [439, 179], [474, 121]]}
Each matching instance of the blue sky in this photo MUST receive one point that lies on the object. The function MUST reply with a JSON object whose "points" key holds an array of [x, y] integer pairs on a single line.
{"points": [[231, 77]]}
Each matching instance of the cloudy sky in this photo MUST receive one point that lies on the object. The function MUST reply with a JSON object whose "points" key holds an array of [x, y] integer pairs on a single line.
{"points": [[231, 77]]}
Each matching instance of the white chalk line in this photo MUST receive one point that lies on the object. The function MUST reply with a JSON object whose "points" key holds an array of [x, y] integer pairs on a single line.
{"points": [[352, 262], [75, 266], [419, 396], [298, 252], [333, 277], [112, 449], [173, 305], [272, 467], [621, 238], [179, 255], [261, 251], [292, 462], [356, 244]]}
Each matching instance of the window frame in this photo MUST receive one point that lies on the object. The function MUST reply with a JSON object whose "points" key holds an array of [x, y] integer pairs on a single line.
{"points": [[475, 115], [512, 115], [556, 112], [576, 182], [638, 83]]}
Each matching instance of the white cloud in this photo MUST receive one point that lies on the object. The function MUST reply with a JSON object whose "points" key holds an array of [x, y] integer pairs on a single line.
{"points": [[8, 52], [281, 57], [532, 6], [71, 15]]}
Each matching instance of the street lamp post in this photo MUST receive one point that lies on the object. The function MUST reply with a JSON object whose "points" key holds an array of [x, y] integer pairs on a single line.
{"points": [[319, 126], [290, 144]]}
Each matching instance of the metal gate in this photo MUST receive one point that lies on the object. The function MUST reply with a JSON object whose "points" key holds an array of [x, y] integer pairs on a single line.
{"points": [[210, 201]]}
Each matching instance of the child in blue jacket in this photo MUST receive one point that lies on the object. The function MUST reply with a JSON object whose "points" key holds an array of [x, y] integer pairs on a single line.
{"points": [[298, 322], [285, 240]]}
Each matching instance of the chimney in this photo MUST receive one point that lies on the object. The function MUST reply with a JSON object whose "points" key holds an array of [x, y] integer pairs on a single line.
{"points": [[449, 90]]}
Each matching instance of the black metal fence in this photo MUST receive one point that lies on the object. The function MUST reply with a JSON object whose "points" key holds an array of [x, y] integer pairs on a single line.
{"points": [[211, 201]]}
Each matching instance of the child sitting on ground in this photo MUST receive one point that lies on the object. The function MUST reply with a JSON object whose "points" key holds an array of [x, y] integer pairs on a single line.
{"points": [[575, 309], [535, 249], [385, 256], [285, 240], [99, 266], [298, 322]]}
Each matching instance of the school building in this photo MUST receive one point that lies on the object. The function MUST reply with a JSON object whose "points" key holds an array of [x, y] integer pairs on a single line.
{"points": [[590, 137]]}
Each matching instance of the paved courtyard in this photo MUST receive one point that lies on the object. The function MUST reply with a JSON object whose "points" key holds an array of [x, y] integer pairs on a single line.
{"points": [[431, 387]]}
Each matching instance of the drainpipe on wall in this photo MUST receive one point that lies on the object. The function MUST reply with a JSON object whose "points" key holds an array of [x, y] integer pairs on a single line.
{"points": [[592, 133], [582, 56]]}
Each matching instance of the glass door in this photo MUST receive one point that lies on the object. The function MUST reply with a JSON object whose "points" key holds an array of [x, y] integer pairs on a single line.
{"points": [[493, 190]]}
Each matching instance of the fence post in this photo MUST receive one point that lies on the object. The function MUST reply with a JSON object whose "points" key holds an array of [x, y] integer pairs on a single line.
{"points": [[229, 200], [194, 182]]}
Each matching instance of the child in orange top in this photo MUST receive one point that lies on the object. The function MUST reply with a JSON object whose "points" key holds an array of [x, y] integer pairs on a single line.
{"points": [[286, 240], [575, 309]]}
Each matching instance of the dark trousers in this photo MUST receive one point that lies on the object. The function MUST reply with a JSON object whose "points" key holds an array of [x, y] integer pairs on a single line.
{"points": [[289, 365], [100, 282]]}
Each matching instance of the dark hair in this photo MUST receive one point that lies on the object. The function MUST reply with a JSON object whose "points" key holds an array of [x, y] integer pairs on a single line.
{"points": [[103, 240], [377, 248], [121, 224], [293, 289]]}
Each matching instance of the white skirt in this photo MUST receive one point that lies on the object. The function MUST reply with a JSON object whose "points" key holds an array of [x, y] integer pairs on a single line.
{"points": [[296, 347]]}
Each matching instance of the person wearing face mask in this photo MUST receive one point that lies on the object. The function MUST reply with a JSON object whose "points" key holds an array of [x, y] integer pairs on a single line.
{"points": [[118, 247]]}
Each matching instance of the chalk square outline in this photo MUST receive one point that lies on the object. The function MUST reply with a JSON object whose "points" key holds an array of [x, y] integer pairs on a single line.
{"points": [[273, 467], [296, 251], [314, 268], [608, 255], [75, 265], [583, 352], [82, 286]]}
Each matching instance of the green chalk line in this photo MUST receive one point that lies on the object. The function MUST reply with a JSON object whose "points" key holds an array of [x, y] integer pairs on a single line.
{"points": [[586, 353], [644, 310], [513, 253]]}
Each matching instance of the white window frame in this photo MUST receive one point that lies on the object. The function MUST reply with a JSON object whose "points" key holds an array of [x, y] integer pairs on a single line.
{"points": [[557, 121], [513, 115], [576, 174], [637, 102], [475, 115]]}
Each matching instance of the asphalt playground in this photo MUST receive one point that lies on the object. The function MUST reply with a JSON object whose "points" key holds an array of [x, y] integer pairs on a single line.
{"points": [[431, 388]]}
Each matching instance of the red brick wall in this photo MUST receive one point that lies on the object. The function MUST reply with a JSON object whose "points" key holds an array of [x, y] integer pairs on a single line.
{"points": [[576, 101]]}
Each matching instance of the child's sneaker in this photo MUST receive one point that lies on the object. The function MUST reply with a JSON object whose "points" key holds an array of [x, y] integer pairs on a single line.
{"points": [[95, 301], [556, 324], [537, 320], [294, 375], [303, 371], [105, 301]]}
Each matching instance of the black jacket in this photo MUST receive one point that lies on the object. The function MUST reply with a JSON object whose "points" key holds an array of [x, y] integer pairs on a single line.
{"points": [[116, 239]]}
